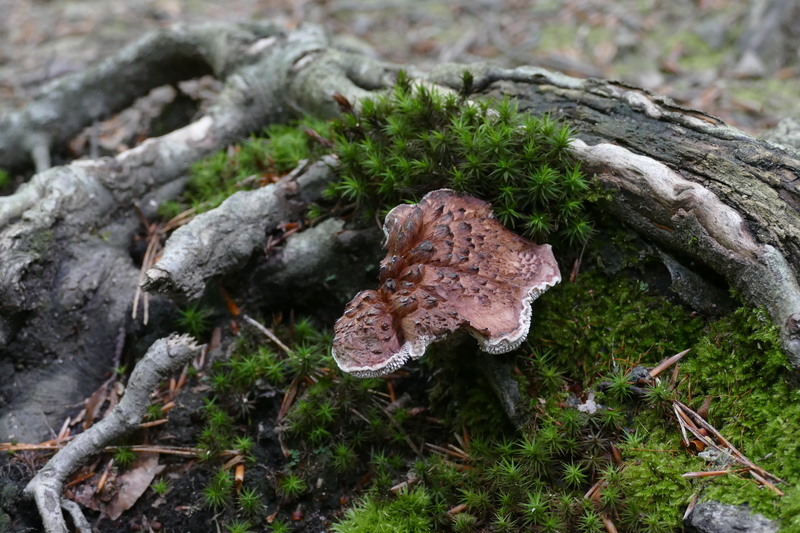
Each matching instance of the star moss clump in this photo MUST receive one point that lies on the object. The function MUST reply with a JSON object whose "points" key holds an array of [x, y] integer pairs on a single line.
{"points": [[415, 139], [476, 470]]}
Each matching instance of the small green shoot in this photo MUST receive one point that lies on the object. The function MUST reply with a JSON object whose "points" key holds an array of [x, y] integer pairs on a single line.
{"points": [[244, 444], [290, 486], [124, 456], [343, 458], [154, 412], [217, 494], [249, 501], [160, 487], [279, 526], [239, 526], [574, 475], [195, 320]]}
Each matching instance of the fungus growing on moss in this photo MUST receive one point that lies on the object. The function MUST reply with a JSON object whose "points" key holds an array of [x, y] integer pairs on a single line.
{"points": [[450, 265]]}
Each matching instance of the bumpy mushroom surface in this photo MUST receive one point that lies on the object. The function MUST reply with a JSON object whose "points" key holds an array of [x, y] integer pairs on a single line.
{"points": [[450, 265]]}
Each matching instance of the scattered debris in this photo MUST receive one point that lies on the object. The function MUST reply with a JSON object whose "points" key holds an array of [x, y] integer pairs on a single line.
{"points": [[709, 437]]}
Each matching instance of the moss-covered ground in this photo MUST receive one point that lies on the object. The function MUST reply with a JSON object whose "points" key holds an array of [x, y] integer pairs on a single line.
{"points": [[430, 448]]}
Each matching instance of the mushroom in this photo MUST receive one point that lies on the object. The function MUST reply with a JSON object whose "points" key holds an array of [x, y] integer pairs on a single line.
{"points": [[450, 265]]}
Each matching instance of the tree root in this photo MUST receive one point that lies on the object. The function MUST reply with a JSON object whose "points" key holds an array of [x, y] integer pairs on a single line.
{"points": [[69, 104], [164, 357], [686, 216], [66, 275], [219, 240]]}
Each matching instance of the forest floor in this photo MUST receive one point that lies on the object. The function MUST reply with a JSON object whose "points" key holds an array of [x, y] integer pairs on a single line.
{"points": [[699, 53]]}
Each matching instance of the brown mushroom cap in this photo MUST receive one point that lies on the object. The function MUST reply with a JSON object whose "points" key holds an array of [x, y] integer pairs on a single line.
{"points": [[450, 265]]}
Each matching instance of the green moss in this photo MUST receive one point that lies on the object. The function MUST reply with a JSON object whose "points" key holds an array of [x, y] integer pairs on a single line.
{"points": [[741, 366], [248, 165], [291, 486], [598, 325], [239, 526], [39, 242], [651, 482], [737, 361], [414, 140], [409, 512]]}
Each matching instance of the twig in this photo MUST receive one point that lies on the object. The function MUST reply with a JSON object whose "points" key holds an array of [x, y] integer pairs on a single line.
{"points": [[666, 363], [594, 491], [710, 473], [400, 430], [608, 524], [458, 454], [702, 430], [268, 332], [155, 235]]}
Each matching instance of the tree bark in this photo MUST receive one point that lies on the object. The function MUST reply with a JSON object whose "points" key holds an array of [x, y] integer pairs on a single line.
{"points": [[166, 356]]}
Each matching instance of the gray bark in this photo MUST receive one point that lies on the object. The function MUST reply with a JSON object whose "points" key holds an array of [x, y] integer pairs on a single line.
{"points": [[714, 517], [66, 276]]}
